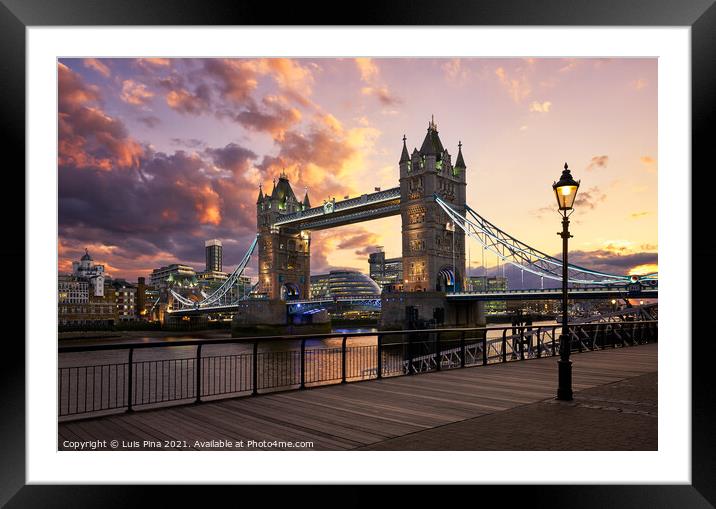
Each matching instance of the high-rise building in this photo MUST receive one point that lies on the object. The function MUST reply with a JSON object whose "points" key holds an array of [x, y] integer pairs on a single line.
{"points": [[385, 271], [164, 276], [214, 255], [488, 284], [141, 295]]}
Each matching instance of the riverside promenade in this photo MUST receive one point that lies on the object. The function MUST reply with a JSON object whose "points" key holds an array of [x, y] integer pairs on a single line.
{"points": [[507, 406]]}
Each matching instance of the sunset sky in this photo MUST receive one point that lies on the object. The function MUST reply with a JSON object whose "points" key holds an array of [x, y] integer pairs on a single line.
{"points": [[158, 155]]}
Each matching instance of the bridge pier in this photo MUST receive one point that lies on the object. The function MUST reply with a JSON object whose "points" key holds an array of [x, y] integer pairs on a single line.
{"points": [[181, 323], [411, 310], [269, 317]]}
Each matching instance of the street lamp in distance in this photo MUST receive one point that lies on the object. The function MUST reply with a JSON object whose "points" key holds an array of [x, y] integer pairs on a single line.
{"points": [[565, 190]]}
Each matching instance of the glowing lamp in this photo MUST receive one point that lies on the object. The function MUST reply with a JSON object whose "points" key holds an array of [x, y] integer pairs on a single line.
{"points": [[566, 189]]}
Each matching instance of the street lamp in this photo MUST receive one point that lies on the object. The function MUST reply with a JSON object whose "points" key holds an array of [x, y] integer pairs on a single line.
{"points": [[566, 191]]}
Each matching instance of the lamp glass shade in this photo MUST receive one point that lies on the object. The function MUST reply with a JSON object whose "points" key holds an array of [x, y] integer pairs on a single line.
{"points": [[565, 189], [565, 196]]}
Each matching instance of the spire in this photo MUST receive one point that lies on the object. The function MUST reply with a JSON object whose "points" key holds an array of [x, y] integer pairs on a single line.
{"points": [[306, 201], [282, 189], [460, 162], [261, 195], [404, 157], [432, 144]]}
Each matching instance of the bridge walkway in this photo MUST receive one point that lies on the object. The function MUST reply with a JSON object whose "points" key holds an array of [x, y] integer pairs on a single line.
{"points": [[378, 413]]}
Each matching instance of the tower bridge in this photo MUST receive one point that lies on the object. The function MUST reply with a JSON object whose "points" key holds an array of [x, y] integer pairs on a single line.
{"points": [[436, 222]]}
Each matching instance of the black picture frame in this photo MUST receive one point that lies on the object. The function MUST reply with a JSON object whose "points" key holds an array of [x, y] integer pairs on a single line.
{"points": [[700, 15]]}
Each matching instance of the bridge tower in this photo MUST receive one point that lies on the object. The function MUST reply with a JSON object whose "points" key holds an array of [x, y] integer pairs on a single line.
{"points": [[433, 248], [284, 253]]}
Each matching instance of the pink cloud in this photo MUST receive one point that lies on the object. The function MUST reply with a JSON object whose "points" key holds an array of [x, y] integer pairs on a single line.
{"points": [[97, 65]]}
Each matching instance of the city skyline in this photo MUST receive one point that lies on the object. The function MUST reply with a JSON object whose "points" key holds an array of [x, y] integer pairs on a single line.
{"points": [[158, 155]]}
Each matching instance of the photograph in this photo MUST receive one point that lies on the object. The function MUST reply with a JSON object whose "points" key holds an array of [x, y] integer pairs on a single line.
{"points": [[357, 253], [423, 248], [415, 245]]}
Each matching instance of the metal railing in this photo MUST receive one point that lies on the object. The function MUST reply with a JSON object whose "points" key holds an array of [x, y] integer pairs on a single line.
{"points": [[134, 376]]}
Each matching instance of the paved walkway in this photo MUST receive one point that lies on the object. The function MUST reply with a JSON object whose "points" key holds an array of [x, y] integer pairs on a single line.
{"points": [[620, 416], [501, 406]]}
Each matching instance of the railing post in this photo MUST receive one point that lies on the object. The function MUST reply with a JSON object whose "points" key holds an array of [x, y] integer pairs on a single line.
{"points": [[522, 344], [504, 345], [462, 349], [437, 351], [484, 348], [343, 360], [554, 341], [255, 373], [379, 364], [197, 384], [410, 354], [130, 382], [539, 341], [579, 340], [303, 364]]}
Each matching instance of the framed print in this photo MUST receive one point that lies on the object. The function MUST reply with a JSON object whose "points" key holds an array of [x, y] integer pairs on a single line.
{"points": [[321, 253]]}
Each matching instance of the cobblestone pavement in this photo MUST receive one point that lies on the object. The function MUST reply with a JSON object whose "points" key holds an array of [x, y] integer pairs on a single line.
{"points": [[618, 416]]}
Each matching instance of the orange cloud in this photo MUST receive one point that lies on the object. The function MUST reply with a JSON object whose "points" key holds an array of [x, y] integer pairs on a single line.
{"points": [[370, 74], [570, 64], [88, 137], [641, 270], [540, 107], [367, 68], [135, 93], [517, 87], [637, 215], [291, 76], [155, 62], [598, 162], [72, 91], [97, 65], [184, 101], [382, 93], [274, 116], [207, 206], [455, 71]]}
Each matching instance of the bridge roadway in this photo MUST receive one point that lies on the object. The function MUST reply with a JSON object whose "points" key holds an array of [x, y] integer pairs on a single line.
{"points": [[556, 294], [614, 408], [332, 214], [545, 294]]}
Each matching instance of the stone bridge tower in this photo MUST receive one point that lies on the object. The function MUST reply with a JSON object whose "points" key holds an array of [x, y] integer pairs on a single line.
{"points": [[433, 251], [284, 253]]}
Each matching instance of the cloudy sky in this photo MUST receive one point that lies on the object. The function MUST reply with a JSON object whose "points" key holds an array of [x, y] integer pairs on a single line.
{"points": [[158, 155]]}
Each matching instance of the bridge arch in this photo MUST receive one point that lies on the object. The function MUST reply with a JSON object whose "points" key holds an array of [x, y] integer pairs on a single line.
{"points": [[290, 291], [446, 279]]}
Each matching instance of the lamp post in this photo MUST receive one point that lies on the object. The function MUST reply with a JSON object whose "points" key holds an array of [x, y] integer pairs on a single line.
{"points": [[566, 191]]}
